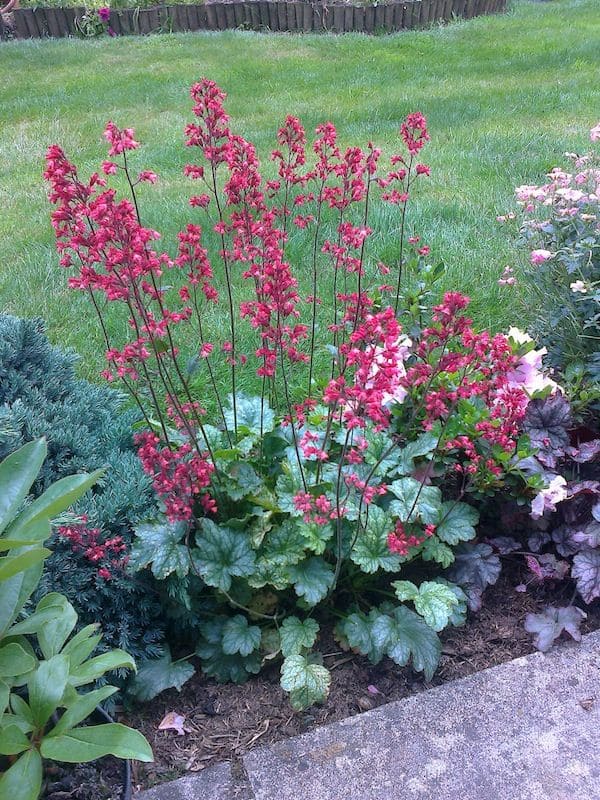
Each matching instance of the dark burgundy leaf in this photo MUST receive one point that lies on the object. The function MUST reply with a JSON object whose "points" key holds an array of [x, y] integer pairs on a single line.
{"points": [[546, 423], [504, 544], [589, 536], [537, 540], [586, 572], [552, 621], [564, 539], [547, 567], [587, 451], [475, 567]]}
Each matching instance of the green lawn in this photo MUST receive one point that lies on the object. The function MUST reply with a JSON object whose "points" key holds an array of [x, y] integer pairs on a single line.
{"points": [[504, 96]]}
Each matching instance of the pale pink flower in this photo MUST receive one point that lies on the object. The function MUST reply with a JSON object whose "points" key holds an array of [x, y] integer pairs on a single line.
{"points": [[539, 256], [547, 499], [579, 286], [595, 133]]}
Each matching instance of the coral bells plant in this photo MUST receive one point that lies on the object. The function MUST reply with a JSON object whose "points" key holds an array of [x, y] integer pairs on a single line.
{"points": [[375, 424]]}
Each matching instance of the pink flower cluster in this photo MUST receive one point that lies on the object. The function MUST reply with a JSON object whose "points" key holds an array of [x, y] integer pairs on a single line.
{"points": [[107, 554], [179, 475]]}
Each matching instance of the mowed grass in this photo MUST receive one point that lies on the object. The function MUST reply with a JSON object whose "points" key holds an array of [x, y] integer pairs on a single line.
{"points": [[505, 96]]}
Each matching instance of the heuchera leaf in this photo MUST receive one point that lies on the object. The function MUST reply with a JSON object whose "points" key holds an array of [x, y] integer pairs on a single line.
{"points": [[297, 636], [312, 579], [239, 637], [415, 501], [357, 629], [371, 551], [456, 522], [551, 622], [476, 566], [403, 635], [433, 601], [547, 423], [434, 550], [221, 553], [159, 674], [586, 572], [160, 545], [218, 664], [249, 410], [307, 683]]}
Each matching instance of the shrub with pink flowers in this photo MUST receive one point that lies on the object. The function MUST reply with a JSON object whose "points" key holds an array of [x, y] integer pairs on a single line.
{"points": [[299, 477], [562, 230]]}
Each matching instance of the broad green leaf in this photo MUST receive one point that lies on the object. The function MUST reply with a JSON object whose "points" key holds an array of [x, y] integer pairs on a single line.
{"points": [[36, 534], [220, 665], [381, 451], [297, 636], [56, 499], [307, 683], [23, 781], [59, 627], [416, 501], [14, 660], [81, 708], [457, 523], [82, 645], [12, 564], [12, 740], [221, 554], [159, 674], [239, 637], [42, 616], [21, 724], [434, 550], [458, 616], [46, 688], [96, 667], [371, 551], [14, 593], [403, 635], [96, 741], [250, 411], [17, 473], [4, 695], [433, 601], [21, 709], [312, 579], [160, 545]]}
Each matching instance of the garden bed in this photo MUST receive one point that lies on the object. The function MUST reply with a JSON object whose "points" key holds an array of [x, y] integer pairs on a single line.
{"points": [[257, 15], [226, 721]]}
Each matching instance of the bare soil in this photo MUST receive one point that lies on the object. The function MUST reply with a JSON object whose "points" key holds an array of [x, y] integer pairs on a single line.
{"points": [[225, 721]]}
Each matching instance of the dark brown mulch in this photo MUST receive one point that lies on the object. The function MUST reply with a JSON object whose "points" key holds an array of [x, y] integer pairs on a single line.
{"points": [[225, 721]]}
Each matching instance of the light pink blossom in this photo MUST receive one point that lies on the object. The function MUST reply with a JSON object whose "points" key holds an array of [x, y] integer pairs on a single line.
{"points": [[546, 500]]}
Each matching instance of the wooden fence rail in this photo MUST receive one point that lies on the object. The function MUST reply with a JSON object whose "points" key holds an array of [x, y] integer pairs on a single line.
{"points": [[259, 15]]}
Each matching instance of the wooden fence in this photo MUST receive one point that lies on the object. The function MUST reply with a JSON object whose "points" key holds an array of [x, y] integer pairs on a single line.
{"points": [[259, 15]]}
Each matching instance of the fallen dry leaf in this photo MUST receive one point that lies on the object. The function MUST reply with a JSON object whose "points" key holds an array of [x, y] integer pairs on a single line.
{"points": [[173, 722]]}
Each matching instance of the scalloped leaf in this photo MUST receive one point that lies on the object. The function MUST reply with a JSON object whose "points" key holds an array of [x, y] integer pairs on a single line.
{"points": [[312, 579], [239, 637], [550, 624], [160, 546], [404, 636], [371, 551], [296, 636], [456, 523], [415, 501], [221, 554], [307, 683]]}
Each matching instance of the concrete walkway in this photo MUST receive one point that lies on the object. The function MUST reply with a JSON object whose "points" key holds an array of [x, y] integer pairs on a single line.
{"points": [[526, 730]]}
